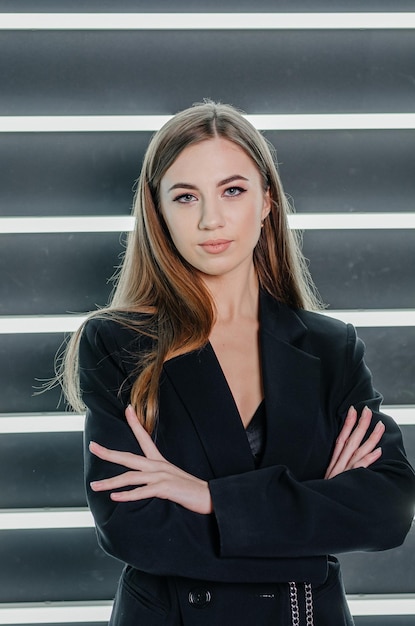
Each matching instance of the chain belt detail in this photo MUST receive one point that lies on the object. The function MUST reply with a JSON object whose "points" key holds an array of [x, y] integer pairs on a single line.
{"points": [[295, 611]]}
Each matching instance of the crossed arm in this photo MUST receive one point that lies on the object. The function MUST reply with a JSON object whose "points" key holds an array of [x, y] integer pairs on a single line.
{"points": [[152, 476]]}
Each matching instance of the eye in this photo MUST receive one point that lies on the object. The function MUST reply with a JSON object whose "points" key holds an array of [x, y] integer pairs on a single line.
{"points": [[234, 191], [185, 198]]}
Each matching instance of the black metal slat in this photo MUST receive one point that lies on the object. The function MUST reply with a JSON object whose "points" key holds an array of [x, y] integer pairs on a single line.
{"points": [[389, 355], [69, 272], [46, 469], [363, 269], [391, 571], [107, 72], [67, 565], [55, 565], [94, 173]]}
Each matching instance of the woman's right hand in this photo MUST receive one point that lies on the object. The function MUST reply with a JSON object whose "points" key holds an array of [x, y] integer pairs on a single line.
{"points": [[349, 452]]}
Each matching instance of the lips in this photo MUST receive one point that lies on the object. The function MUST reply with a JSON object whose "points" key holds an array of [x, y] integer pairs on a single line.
{"points": [[215, 246]]}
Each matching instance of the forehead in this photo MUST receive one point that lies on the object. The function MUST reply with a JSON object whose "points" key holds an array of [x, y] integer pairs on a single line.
{"points": [[214, 158]]}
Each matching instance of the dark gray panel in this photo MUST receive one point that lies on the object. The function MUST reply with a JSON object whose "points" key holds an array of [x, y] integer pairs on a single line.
{"points": [[60, 273], [342, 171], [55, 565], [26, 361], [408, 433], [83, 72], [57, 273], [93, 173], [68, 565], [69, 173], [363, 269], [198, 6], [389, 354], [391, 571], [46, 470]]}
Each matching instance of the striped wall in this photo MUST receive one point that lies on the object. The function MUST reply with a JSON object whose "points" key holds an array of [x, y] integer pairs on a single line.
{"points": [[81, 93]]}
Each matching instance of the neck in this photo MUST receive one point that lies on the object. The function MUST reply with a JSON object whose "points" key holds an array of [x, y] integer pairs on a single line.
{"points": [[234, 297]]}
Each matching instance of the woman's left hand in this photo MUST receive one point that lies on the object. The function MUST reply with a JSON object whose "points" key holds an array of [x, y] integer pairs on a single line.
{"points": [[349, 452], [151, 474]]}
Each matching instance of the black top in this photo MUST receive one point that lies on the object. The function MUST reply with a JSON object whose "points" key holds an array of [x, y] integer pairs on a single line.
{"points": [[255, 431]]}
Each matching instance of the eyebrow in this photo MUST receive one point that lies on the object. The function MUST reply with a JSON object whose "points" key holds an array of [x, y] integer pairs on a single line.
{"points": [[225, 181]]}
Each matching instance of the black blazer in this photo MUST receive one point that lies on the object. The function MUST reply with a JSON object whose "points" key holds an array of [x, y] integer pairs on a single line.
{"points": [[270, 525]]}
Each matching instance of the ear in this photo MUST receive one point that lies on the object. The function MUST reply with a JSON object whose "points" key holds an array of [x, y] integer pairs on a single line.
{"points": [[266, 207]]}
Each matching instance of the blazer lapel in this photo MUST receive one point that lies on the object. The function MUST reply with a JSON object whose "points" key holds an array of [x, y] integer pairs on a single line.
{"points": [[291, 380], [199, 381]]}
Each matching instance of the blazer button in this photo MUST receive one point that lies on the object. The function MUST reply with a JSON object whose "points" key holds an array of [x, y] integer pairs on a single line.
{"points": [[199, 597]]}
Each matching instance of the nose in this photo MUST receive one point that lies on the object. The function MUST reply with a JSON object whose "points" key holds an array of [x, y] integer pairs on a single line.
{"points": [[211, 216]]}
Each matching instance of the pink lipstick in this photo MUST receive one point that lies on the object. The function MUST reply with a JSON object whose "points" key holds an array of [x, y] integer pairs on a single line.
{"points": [[216, 246]]}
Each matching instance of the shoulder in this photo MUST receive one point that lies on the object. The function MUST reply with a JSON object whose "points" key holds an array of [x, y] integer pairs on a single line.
{"points": [[314, 332], [115, 335], [322, 325], [333, 341], [303, 327]]}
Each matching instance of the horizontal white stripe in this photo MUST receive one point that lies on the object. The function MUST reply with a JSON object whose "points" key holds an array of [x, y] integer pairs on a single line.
{"points": [[125, 223], [352, 221], [375, 318], [55, 612], [73, 224], [41, 423], [27, 423], [24, 324], [403, 415], [75, 612], [205, 21], [397, 604], [25, 519], [133, 123]]}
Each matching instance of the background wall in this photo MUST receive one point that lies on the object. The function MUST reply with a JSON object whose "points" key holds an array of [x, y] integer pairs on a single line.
{"points": [[348, 170]]}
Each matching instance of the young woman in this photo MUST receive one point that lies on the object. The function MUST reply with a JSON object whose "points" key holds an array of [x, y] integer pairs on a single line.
{"points": [[234, 439]]}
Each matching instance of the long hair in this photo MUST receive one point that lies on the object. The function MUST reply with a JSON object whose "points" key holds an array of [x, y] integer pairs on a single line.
{"points": [[155, 280]]}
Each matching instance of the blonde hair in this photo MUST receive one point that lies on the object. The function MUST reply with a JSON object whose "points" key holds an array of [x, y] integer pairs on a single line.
{"points": [[155, 280]]}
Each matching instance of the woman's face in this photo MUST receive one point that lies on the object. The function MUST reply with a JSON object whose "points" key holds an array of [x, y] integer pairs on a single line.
{"points": [[213, 203]]}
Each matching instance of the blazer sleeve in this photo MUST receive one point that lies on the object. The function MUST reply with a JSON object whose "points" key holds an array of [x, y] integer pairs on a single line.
{"points": [[269, 512], [154, 535]]}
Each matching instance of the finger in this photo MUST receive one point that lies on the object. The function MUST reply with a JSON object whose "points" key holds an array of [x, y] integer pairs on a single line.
{"points": [[351, 445], [127, 459], [126, 479], [369, 459], [349, 424], [364, 456], [360, 430], [365, 462], [370, 444], [344, 434], [358, 434], [145, 441], [140, 493], [133, 495]]}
